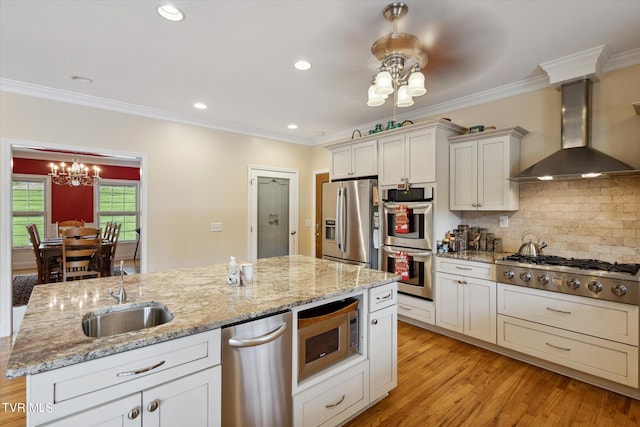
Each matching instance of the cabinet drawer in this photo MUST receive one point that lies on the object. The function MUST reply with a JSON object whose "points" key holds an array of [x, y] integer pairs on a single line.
{"points": [[383, 296], [479, 270], [416, 308], [606, 359], [78, 385], [334, 400], [603, 319]]}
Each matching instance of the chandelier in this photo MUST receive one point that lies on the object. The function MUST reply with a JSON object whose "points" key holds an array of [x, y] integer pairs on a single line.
{"points": [[75, 175], [401, 59]]}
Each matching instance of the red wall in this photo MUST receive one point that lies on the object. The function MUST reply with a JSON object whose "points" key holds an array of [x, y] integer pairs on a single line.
{"points": [[72, 202]]}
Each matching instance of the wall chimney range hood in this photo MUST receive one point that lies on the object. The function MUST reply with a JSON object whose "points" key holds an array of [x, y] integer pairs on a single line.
{"points": [[576, 159]]}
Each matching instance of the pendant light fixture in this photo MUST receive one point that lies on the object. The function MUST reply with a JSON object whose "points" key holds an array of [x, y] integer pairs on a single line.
{"points": [[401, 61]]}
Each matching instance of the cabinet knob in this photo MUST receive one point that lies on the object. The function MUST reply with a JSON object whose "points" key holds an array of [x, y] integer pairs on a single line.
{"points": [[153, 406], [374, 322], [133, 414]]}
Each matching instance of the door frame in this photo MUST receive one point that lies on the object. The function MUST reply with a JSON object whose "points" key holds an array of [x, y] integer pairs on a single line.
{"points": [[255, 171], [316, 199], [6, 269]]}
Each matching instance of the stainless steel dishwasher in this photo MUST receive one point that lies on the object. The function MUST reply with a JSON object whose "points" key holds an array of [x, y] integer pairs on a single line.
{"points": [[256, 373]]}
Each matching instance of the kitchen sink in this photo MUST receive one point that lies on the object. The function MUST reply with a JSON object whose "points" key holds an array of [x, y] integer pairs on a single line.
{"points": [[125, 318]]}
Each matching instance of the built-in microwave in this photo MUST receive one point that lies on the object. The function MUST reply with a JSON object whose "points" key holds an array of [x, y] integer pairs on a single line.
{"points": [[326, 335]]}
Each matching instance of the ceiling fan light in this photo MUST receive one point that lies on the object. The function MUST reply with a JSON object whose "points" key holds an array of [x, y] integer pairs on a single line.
{"points": [[404, 99], [374, 99], [416, 84], [384, 83]]}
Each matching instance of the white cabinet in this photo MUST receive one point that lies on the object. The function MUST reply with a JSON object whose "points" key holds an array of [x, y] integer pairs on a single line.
{"points": [[170, 383], [480, 167], [334, 400], [354, 160], [408, 156], [585, 334], [190, 400], [466, 303], [417, 309], [383, 340]]}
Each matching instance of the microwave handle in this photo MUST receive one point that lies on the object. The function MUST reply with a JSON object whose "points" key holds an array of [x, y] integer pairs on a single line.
{"points": [[410, 253], [264, 339]]}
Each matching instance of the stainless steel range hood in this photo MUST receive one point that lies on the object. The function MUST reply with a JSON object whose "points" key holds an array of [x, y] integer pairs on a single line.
{"points": [[576, 159]]}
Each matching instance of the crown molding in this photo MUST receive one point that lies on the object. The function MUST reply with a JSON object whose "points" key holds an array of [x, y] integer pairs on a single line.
{"points": [[28, 89], [613, 62]]}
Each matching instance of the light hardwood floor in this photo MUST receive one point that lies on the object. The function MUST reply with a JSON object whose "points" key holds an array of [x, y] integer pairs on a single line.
{"points": [[443, 382]]}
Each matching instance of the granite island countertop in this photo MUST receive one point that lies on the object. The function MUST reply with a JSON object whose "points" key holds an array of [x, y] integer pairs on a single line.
{"points": [[51, 335]]}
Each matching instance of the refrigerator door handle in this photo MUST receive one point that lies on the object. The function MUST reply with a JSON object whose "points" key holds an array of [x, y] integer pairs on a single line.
{"points": [[341, 229], [338, 219]]}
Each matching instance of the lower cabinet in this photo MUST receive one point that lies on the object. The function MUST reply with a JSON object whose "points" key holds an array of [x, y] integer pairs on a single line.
{"points": [[417, 309], [189, 401], [597, 337], [173, 383], [334, 400], [466, 305], [383, 351]]}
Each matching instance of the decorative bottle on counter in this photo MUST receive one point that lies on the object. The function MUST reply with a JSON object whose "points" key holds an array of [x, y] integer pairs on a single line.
{"points": [[234, 272]]}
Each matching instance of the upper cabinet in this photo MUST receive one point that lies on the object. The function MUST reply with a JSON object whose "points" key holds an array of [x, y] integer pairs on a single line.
{"points": [[412, 155], [480, 167], [354, 160]]}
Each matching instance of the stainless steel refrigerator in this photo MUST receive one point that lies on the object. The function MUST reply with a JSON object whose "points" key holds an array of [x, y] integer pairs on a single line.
{"points": [[350, 222]]}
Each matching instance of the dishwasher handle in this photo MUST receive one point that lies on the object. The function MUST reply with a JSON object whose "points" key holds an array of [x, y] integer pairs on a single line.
{"points": [[264, 339]]}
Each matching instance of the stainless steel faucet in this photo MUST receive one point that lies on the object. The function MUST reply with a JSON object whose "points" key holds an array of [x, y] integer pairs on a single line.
{"points": [[122, 296]]}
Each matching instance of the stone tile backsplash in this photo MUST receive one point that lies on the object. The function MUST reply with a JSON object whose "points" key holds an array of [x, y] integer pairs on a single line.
{"points": [[591, 218]]}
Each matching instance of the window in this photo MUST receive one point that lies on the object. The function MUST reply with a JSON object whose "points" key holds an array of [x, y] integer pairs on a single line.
{"points": [[28, 204], [118, 202]]}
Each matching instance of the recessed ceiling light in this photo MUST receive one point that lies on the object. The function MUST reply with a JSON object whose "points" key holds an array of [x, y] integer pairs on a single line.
{"points": [[293, 126], [83, 80], [200, 105], [170, 13], [302, 65]]}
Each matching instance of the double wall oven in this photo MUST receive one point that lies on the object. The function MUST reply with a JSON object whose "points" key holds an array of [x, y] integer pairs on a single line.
{"points": [[408, 238]]}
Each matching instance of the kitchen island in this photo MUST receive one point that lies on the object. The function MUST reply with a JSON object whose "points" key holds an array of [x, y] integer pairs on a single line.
{"points": [[51, 335]]}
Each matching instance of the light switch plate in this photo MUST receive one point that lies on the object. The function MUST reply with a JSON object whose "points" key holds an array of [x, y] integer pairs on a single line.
{"points": [[216, 226], [307, 223], [504, 221]]}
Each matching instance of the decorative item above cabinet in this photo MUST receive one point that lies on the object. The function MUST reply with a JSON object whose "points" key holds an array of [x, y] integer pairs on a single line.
{"points": [[480, 167]]}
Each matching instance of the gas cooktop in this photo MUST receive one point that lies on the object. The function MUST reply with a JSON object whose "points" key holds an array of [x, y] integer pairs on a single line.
{"points": [[582, 277], [583, 264]]}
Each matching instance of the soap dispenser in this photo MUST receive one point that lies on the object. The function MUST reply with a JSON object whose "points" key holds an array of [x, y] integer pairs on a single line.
{"points": [[234, 272]]}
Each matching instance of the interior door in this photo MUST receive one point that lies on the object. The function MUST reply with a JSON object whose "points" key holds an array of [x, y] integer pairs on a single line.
{"points": [[273, 216], [321, 178], [273, 212]]}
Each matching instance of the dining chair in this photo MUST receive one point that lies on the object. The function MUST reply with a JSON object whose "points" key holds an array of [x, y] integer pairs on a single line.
{"points": [[63, 225], [54, 266], [79, 245], [107, 232], [111, 254]]}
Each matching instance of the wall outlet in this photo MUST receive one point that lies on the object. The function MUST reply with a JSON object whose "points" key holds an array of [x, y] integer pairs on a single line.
{"points": [[216, 226], [504, 221]]}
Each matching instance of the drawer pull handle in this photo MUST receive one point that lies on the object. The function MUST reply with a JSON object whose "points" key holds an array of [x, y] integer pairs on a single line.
{"points": [[133, 414], [153, 406], [387, 296], [558, 311], [139, 371], [463, 268], [559, 348], [404, 308], [332, 405], [461, 282]]}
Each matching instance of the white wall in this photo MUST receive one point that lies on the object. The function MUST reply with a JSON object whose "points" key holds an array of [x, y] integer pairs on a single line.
{"points": [[195, 175]]}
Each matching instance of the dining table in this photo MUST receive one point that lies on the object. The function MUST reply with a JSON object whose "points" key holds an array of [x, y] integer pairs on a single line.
{"points": [[51, 248]]}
